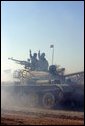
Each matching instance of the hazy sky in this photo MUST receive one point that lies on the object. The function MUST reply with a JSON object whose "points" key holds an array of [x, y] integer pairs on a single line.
{"points": [[36, 25]]}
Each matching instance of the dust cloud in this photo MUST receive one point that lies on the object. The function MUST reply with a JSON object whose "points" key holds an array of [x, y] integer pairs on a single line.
{"points": [[6, 76], [9, 97]]}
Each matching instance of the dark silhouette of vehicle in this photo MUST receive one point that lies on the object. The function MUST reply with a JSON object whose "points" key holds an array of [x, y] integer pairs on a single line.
{"points": [[46, 88]]}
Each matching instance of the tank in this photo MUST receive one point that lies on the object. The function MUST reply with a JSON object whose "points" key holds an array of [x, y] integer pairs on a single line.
{"points": [[40, 88], [48, 88]]}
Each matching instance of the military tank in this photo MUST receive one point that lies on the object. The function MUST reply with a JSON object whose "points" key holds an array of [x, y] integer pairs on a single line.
{"points": [[42, 88], [38, 88]]}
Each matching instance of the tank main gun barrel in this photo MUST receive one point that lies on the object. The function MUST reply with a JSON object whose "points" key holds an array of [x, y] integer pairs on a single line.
{"points": [[71, 74]]}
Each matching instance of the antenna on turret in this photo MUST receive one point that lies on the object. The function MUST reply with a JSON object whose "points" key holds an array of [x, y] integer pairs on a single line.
{"points": [[52, 46]]}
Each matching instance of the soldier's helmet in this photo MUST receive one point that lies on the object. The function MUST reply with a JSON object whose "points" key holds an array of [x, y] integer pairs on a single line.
{"points": [[35, 54], [43, 54]]}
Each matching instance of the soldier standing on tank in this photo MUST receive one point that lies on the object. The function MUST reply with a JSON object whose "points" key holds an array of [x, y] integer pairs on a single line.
{"points": [[42, 63], [34, 61]]}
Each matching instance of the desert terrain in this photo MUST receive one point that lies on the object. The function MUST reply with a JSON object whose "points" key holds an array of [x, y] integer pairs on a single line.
{"points": [[38, 116]]}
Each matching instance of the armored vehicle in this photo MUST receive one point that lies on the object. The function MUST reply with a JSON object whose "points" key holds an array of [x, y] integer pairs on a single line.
{"points": [[38, 89], [44, 88]]}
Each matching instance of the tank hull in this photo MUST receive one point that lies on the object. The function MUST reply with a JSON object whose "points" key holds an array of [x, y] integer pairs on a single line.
{"points": [[46, 95]]}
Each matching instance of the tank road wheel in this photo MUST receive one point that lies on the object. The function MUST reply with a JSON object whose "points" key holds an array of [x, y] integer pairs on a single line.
{"points": [[48, 100]]}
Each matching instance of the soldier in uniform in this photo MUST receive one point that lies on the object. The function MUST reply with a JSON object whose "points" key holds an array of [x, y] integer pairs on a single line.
{"points": [[34, 61], [42, 63]]}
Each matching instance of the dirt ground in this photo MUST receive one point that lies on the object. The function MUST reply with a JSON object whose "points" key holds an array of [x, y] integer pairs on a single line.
{"points": [[21, 118], [14, 120]]}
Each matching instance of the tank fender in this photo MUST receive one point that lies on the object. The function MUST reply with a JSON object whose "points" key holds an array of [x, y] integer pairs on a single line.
{"points": [[65, 88]]}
